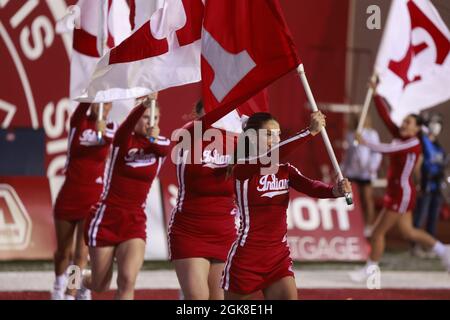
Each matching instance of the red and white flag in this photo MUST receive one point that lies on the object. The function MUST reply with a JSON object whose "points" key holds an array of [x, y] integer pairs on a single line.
{"points": [[99, 22], [235, 120], [142, 10], [164, 52], [246, 45], [413, 62]]}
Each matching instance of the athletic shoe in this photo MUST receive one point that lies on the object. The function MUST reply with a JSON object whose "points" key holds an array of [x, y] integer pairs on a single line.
{"points": [[58, 293], [84, 294], [359, 275], [69, 297], [445, 259]]}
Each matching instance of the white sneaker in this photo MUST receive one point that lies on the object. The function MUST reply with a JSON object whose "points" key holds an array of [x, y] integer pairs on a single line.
{"points": [[69, 297], [445, 259], [359, 275], [84, 294], [58, 293]]}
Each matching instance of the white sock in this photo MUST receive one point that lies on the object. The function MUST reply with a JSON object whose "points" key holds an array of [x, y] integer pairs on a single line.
{"points": [[69, 297], [371, 263], [60, 281], [439, 248]]}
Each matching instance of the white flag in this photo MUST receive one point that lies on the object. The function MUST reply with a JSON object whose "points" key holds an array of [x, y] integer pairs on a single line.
{"points": [[114, 28], [142, 10], [413, 62], [165, 52]]}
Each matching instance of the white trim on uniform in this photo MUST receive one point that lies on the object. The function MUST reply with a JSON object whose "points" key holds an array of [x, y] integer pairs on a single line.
{"points": [[246, 213], [95, 223], [71, 136], [301, 135], [162, 141], [404, 182], [115, 153], [225, 281], [394, 147], [181, 181]]}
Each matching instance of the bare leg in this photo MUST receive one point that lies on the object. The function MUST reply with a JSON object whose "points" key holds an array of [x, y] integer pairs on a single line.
{"points": [[236, 296], [64, 236], [81, 252], [193, 276], [130, 257], [102, 268], [410, 233], [385, 222], [215, 275], [369, 207], [283, 289]]}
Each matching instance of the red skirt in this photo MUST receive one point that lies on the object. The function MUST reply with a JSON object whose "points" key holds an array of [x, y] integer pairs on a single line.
{"points": [[75, 202], [400, 199], [250, 269], [201, 236], [108, 226]]}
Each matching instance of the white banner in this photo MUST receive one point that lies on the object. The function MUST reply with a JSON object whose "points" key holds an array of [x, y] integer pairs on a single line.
{"points": [[413, 62]]}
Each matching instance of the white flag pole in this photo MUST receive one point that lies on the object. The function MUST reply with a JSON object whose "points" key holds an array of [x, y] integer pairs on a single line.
{"points": [[102, 38], [326, 139], [152, 112], [365, 109]]}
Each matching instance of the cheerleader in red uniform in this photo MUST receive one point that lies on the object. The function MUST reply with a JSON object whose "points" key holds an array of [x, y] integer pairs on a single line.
{"points": [[260, 258], [117, 226], [81, 190], [400, 197], [202, 227]]}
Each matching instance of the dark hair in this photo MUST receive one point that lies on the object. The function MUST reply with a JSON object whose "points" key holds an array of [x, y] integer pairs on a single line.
{"points": [[418, 118], [255, 122], [199, 107], [196, 111]]}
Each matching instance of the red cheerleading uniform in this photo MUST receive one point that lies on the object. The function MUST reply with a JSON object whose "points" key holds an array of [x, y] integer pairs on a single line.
{"points": [[135, 162], [260, 256], [203, 220], [404, 153], [85, 167]]}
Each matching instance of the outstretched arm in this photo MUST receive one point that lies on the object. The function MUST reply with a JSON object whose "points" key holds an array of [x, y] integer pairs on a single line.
{"points": [[160, 146], [312, 188], [79, 114], [246, 168], [404, 146], [127, 127], [383, 111]]}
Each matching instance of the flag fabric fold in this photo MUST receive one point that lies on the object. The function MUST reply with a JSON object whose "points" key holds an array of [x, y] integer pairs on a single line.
{"points": [[246, 45], [413, 62], [86, 55], [164, 52]]}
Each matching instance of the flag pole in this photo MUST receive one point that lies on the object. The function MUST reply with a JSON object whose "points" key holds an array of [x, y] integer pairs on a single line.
{"points": [[365, 109], [101, 45], [152, 112], [326, 139]]}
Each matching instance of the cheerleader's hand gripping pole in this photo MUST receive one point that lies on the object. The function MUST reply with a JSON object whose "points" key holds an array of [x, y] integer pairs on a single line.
{"points": [[326, 139]]}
